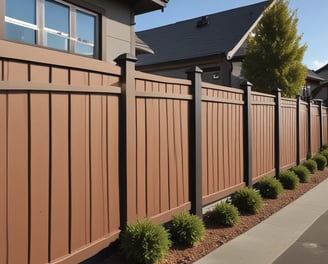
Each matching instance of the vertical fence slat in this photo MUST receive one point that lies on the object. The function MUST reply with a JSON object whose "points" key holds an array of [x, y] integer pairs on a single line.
{"points": [[164, 173], [113, 163], [3, 179], [39, 108], [96, 142], [80, 177], [141, 157], [59, 233], [18, 179]]}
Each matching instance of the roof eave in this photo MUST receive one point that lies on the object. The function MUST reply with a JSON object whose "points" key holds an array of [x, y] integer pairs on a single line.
{"points": [[145, 6], [231, 53]]}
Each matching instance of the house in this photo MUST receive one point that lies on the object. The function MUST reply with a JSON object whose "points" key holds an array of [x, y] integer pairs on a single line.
{"points": [[97, 29], [216, 43], [321, 90]]}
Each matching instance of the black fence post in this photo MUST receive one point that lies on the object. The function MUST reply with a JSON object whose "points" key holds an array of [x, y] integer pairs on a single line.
{"points": [[195, 142], [277, 137], [319, 102], [248, 169], [127, 132], [298, 128], [309, 121]]}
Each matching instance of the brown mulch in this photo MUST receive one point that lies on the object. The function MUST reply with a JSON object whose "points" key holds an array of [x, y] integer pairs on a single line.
{"points": [[216, 236]]}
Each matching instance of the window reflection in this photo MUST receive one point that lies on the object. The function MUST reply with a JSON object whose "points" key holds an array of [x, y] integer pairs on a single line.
{"points": [[85, 33], [56, 25]]}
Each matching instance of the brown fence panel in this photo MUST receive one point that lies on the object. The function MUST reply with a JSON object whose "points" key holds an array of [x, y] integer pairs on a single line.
{"points": [[315, 129], [325, 125], [303, 130], [263, 107], [222, 141], [288, 133], [58, 163], [162, 122]]}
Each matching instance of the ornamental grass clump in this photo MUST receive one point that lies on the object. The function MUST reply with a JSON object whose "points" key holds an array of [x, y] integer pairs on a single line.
{"points": [[247, 200], [225, 214], [320, 160], [145, 242], [186, 229], [270, 187], [289, 179], [311, 165], [302, 173]]}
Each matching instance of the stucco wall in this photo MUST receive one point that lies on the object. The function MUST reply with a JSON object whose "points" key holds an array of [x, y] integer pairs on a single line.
{"points": [[117, 29]]}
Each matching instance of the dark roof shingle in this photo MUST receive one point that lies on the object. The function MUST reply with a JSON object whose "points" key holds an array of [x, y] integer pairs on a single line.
{"points": [[185, 40]]}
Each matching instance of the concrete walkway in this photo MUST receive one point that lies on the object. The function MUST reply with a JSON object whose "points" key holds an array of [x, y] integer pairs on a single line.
{"points": [[279, 238]]}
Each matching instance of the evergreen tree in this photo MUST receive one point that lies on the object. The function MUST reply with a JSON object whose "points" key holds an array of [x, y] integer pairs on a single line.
{"points": [[274, 56]]}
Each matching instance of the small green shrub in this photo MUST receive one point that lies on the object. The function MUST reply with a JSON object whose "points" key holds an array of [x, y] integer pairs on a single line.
{"points": [[302, 173], [324, 146], [311, 165], [270, 187], [145, 242], [186, 229], [320, 160], [289, 180], [247, 200], [308, 155], [225, 214], [325, 153]]}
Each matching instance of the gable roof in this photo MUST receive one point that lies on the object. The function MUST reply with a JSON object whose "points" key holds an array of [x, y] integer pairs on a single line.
{"points": [[215, 34], [312, 75], [323, 72]]}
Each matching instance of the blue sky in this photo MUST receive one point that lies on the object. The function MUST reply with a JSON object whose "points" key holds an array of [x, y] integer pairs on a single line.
{"points": [[312, 16]]}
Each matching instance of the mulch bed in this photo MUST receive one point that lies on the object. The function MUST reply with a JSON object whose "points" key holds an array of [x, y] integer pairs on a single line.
{"points": [[216, 236]]}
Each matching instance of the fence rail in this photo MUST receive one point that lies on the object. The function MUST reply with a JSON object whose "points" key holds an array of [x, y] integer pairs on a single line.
{"points": [[84, 150]]}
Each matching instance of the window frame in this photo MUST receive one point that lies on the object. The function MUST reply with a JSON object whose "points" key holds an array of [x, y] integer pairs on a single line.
{"points": [[40, 28]]}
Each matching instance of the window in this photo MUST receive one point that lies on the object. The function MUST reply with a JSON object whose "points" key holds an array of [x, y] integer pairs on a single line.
{"points": [[54, 24]]}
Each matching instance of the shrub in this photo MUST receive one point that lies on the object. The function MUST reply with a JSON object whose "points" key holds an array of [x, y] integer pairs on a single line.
{"points": [[225, 214], [311, 165], [308, 155], [325, 153], [302, 173], [289, 180], [270, 187], [247, 200], [324, 146], [186, 229], [321, 161], [145, 242]]}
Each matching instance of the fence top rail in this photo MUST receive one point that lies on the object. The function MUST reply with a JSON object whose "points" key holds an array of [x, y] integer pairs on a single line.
{"points": [[33, 54], [217, 87], [161, 79], [288, 99], [263, 94]]}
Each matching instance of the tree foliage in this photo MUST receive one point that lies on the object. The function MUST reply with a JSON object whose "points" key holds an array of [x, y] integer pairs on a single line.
{"points": [[274, 55]]}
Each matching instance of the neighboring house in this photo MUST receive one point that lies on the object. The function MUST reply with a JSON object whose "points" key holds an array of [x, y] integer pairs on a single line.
{"points": [[216, 43], [313, 80], [321, 91], [99, 29]]}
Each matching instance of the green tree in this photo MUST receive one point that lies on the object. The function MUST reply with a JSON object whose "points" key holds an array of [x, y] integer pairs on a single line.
{"points": [[274, 55]]}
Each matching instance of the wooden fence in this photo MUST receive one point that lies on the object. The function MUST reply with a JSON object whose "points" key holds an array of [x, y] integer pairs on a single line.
{"points": [[87, 148]]}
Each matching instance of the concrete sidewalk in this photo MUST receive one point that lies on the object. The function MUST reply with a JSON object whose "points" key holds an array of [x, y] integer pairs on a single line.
{"points": [[267, 241]]}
